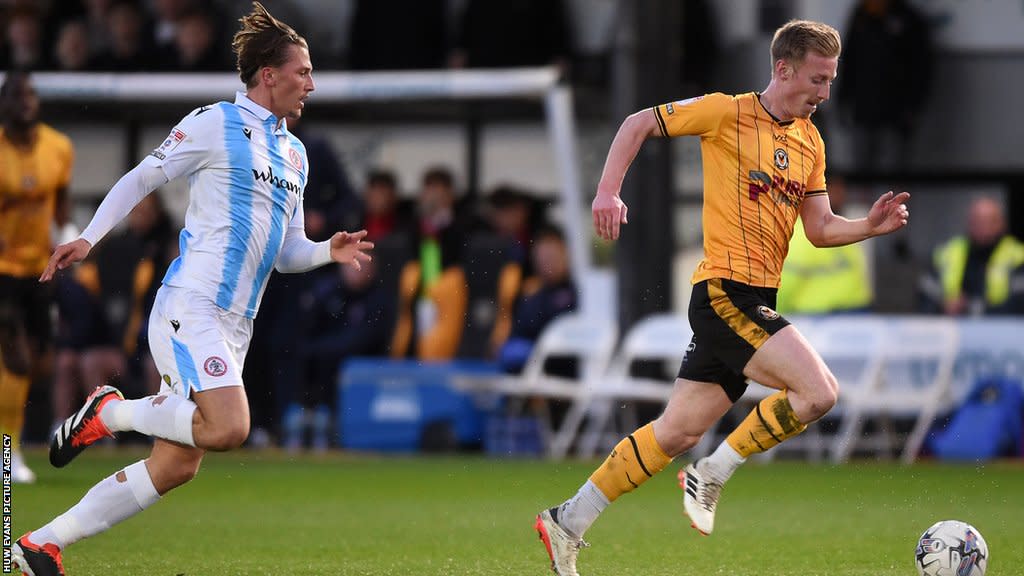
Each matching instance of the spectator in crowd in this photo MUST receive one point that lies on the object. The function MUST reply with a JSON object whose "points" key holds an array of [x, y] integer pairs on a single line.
{"points": [[36, 163], [26, 46], [380, 41], [93, 14], [512, 214], [550, 292], [439, 227], [169, 15], [509, 34], [128, 50], [72, 52], [383, 214], [825, 280], [96, 15], [979, 272], [888, 43], [433, 293], [196, 44], [346, 314]]}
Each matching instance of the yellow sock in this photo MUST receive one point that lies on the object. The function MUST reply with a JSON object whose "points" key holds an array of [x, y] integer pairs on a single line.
{"points": [[769, 423], [13, 393], [634, 459]]}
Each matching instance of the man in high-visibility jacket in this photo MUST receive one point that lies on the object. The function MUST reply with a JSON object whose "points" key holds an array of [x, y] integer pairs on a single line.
{"points": [[825, 280], [972, 274]]}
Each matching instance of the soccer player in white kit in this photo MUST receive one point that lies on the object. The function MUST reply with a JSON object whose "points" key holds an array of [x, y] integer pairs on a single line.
{"points": [[246, 176]]}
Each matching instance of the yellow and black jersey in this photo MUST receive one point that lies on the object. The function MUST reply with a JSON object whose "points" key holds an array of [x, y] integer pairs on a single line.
{"points": [[29, 183], [757, 171]]}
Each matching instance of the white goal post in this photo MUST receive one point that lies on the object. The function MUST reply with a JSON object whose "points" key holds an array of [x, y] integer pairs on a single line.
{"points": [[539, 84]]}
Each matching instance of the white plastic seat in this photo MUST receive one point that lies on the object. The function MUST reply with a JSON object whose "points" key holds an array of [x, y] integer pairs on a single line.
{"points": [[590, 339], [660, 337], [914, 380]]}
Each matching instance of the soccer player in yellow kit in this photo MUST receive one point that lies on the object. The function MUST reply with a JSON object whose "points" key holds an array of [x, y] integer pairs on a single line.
{"points": [[764, 164], [36, 165]]}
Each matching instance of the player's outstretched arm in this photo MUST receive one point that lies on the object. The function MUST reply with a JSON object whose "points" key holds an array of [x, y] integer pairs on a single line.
{"points": [[129, 190], [350, 248], [65, 255], [825, 228], [608, 208]]}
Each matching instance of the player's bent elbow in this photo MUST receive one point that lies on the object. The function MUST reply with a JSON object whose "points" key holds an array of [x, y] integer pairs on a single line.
{"points": [[816, 237]]}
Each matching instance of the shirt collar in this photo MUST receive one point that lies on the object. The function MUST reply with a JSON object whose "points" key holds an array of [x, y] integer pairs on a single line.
{"points": [[258, 111]]}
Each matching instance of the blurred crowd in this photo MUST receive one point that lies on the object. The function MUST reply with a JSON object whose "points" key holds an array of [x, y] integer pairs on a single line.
{"points": [[194, 35], [451, 278]]}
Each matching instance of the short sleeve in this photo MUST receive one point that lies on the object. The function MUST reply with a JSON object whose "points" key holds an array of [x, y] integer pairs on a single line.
{"points": [[699, 116], [187, 147]]}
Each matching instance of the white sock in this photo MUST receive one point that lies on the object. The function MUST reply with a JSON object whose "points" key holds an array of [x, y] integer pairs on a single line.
{"points": [[722, 462], [166, 416], [114, 499], [577, 513]]}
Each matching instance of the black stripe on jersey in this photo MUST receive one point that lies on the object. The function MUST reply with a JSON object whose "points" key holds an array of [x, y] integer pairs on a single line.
{"points": [[739, 190], [815, 193], [661, 121], [764, 423], [760, 221], [639, 460]]}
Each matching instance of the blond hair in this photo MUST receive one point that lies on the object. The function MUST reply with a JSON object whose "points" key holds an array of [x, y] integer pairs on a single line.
{"points": [[262, 41], [794, 39]]}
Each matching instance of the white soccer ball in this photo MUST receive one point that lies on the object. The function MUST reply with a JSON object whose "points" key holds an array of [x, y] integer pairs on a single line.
{"points": [[951, 548]]}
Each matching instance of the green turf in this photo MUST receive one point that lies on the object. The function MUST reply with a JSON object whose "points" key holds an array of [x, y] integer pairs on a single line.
{"points": [[267, 513]]}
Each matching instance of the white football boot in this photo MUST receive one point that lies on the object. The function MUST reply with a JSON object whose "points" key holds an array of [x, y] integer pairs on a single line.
{"points": [[562, 546], [700, 497]]}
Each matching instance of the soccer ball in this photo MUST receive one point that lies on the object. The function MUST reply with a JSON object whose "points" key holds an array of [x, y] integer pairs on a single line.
{"points": [[951, 548]]}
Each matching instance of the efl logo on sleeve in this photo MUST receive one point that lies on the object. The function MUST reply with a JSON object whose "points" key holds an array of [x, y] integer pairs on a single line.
{"points": [[172, 141]]}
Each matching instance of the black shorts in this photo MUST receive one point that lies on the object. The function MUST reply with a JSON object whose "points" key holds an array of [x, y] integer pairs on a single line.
{"points": [[730, 322], [25, 305]]}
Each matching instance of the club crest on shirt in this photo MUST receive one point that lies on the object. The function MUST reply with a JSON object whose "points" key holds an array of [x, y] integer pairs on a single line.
{"points": [[781, 159], [767, 313], [295, 158], [215, 366]]}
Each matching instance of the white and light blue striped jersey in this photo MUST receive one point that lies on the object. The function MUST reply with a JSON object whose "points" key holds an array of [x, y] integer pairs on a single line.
{"points": [[246, 178]]}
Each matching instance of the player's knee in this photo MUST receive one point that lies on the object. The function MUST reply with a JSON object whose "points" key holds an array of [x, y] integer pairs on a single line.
{"points": [[675, 442], [181, 473], [227, 437], [824, 397]]}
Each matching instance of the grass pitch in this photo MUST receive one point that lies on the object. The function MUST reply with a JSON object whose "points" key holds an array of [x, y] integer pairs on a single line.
{"points": [[268, 513]]}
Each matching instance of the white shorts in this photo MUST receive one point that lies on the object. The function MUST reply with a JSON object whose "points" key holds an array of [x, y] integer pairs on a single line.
{"points": [[195, 344]]}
